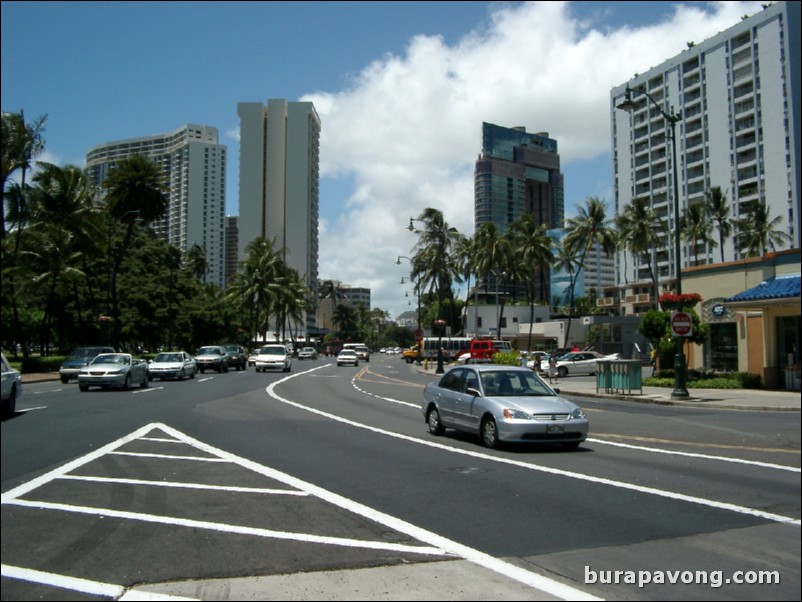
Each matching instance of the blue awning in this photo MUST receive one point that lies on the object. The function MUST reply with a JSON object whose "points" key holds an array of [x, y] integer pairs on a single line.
{"points": [[779, 287]]}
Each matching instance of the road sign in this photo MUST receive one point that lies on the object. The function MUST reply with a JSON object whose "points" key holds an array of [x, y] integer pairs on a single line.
{"points": [[681, 324]]}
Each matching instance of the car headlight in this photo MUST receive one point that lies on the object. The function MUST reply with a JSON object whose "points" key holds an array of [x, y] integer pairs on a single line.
{"points": [[578, 413], [511, 414]]}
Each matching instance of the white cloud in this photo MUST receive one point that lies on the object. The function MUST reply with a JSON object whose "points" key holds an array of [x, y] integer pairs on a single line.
{"points": [[408, 129]]}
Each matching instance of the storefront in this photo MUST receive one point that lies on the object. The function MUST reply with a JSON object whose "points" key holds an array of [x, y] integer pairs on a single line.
{"points": [[752, 307]]}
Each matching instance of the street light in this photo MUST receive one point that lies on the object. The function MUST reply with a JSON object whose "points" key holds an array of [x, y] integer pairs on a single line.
{"points": [[411, 227], [417, 290], [680, 377]]}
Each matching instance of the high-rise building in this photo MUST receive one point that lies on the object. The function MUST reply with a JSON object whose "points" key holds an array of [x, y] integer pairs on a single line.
{"points": [[279, 183], [737, 103], [194, 165], [518, 174], [232, 246]]}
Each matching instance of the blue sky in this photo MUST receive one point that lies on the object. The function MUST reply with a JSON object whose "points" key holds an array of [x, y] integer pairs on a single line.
{"points": [[402, 89]]}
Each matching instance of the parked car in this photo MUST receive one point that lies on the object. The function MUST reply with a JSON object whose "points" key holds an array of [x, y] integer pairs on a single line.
{"points": [[307, 353], [581, 362], [11, 387], [78, 358], [274, 357], [236, 357], [212, 357], [172, 364], [502, 404], [347, 356], [119, 370], [538, 360]]}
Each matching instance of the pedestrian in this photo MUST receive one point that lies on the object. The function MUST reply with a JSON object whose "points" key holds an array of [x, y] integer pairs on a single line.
{"points": [[553, 368]]}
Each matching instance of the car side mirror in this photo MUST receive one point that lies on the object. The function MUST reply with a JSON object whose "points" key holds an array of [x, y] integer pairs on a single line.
{"points": [[472, 391]]}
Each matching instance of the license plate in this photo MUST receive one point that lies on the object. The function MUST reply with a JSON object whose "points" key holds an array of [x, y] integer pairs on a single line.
{"points": [[555, 428]]}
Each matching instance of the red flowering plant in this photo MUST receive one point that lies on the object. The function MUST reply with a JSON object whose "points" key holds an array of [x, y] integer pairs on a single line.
{"points": [[682, 301]]}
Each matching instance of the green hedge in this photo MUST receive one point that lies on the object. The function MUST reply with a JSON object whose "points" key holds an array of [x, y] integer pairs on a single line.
{"points": [[707, 380]]}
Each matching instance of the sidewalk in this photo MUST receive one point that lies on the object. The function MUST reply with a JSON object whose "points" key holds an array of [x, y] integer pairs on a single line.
{"points": [[735, 399]]}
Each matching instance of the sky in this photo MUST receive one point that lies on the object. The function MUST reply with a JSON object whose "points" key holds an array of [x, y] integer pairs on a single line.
{"points": [[402, 89]]}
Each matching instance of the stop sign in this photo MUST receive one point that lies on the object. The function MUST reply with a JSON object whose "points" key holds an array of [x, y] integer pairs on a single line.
{"points": [[681, 324]]}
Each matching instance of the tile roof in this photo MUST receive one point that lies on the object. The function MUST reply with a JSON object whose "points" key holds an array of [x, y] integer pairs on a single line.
{"points": [[779, 287]]}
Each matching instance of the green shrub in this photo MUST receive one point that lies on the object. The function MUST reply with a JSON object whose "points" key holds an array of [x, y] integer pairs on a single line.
{"points": [[41, 364], [507, 358], [707, 380]]}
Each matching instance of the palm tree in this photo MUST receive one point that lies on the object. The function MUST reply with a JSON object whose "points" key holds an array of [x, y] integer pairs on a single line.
{"points": [[196, 262], [535, 256], [493, 252], [588, 228], [136, 190], [463, 257], [20, 143], [62, 201], [719, 211], [643, 234], [758, 231], [433, 267], [257, 286], [695, 226]]}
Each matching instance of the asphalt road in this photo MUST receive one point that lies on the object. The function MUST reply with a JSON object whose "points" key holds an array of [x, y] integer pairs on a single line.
{"points": [[324, 484]]}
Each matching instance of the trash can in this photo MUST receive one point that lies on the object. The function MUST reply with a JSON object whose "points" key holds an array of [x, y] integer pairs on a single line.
{"points": [[604, 376], [626, 376]]}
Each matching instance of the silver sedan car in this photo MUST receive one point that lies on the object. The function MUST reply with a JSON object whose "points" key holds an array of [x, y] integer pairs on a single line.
{"points": [[119, 370], [502, 404]]}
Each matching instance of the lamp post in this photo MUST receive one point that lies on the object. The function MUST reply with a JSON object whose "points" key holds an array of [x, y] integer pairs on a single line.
{"points": [[680, 377], [417, 290]]}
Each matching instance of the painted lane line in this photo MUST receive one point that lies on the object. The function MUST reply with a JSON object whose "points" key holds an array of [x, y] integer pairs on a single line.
{"points": [[545, 469], [235, 529], [95, 588], [669, 452], [166, 456], [176, 485]]}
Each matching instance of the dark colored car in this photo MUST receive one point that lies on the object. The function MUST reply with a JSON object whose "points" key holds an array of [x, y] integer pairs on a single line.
{"points": [[237, 358], [212, 357], [80, 357]]}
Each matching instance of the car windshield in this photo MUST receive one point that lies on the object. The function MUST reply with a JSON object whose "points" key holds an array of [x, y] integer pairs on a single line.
{"points": [[209, 351], [272, 351], [111, 359], [511, 383], [168, 357]]}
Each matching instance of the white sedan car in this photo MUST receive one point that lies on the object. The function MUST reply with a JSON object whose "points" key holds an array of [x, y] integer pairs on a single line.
{"points": [[579, 362], [274, 357], [347, 356], [172, 364]]}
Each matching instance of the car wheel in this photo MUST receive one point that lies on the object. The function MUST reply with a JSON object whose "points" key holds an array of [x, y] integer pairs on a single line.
{"points": [[65, 380], [145, 383], [182, 375], [83, 388], [127, 384], [562, 371], [489, 433], [433, 420], [10, 405]]}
